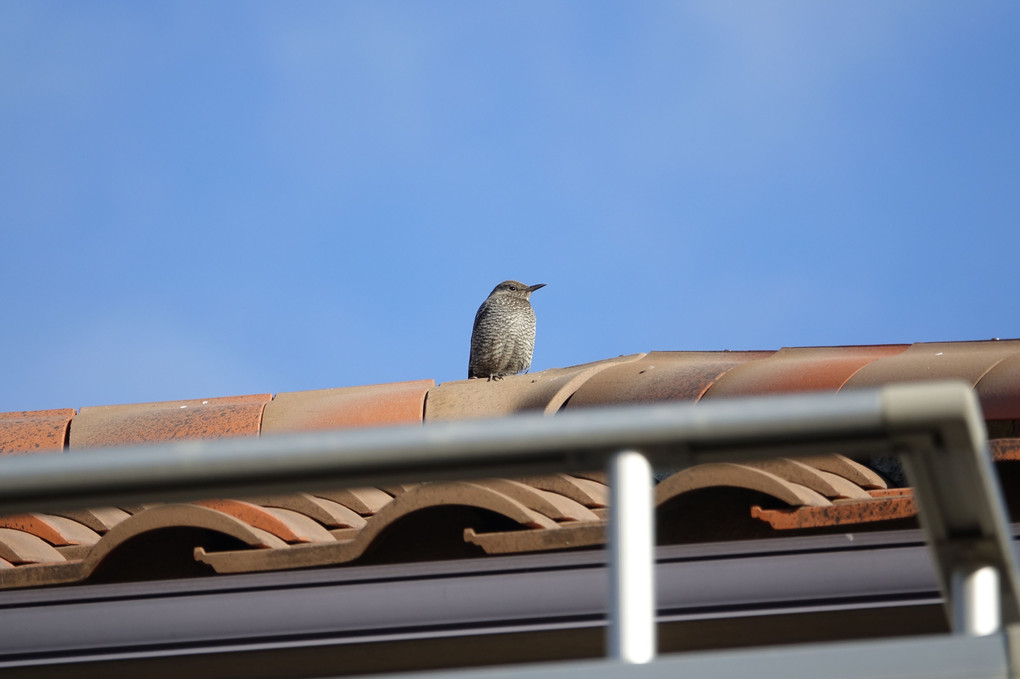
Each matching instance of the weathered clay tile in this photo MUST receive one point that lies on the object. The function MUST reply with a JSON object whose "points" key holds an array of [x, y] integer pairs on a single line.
{"points": [[854, 472], [20, 547], [828, 484], [737, 476], [34, 431], [415, 498], [99, 519], [886, 505], [556, 507], [544, 392], [1005, 449], [999, 390], [799, 369], [967, 361], [586, 492], [212, 418], [289, 526], [328, 513], [364, 501], [660, 376], [368, 406], [568, 536], [56, 530]]}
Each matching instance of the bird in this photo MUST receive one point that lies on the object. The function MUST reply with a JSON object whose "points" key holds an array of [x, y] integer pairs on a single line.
{"points": [[503, 337]]}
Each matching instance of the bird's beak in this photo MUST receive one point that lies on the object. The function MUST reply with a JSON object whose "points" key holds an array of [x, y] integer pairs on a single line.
{"points": [[532, 288]]}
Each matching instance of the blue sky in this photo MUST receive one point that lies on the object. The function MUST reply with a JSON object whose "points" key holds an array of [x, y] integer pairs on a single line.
{"points": [[210, 199]]}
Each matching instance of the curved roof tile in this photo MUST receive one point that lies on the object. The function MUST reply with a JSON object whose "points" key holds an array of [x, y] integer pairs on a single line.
{"points": [[822, 482], [328, 513], [20, 547], [34, 431], [799, 369], [414, 499], [999, 390], [544, 391], [968, 361], [364, 501], [211, 418], [555, 506], [375, 405], [661, 376], [289, 526], [56, 530], [735, 475], [589, 493], [848, 469]]}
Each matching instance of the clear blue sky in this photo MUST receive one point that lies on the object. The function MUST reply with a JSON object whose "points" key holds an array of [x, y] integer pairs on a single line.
{"points": [[216, 198]]}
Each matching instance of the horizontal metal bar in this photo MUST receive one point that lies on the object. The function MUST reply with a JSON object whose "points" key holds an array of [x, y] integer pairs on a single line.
{"points": [[680, 434], [913, 658]]}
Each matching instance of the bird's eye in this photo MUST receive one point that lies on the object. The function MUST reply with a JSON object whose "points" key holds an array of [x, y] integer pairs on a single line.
{"points": [[513, 288]]}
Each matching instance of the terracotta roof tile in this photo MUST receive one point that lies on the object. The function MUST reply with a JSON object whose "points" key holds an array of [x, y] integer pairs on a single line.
{"points": [[326, 512], [1005, 449], [846, 468], [364, 501], [555, 506], [34, 430], [99, 519], [56, 530], [968, 361], [289, 526], [376, 405], [20, 547], [211, 418], [511, 542], [661, 376], [414, 499], [999, 390], [799, 369], [586, 492], [544, 391], [882, 506], [718, 474], [827, 484]]}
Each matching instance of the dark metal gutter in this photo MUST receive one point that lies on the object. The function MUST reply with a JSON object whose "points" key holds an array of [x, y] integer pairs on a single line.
{"points": [[496, 595]]}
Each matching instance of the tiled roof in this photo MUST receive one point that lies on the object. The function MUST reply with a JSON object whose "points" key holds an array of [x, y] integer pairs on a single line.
{"points": [[720, 501]]}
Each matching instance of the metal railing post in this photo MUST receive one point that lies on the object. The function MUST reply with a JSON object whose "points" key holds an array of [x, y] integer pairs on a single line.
{"points": [[632, 637], [976, 601]]}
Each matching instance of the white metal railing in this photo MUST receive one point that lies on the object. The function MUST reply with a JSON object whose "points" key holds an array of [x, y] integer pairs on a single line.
{"points": [[936, 427]]}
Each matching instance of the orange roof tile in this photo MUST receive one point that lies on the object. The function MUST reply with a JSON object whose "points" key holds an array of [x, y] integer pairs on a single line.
{"points": [[999, 390], [662, 376], [799, 369], [211, 418], [34, 431], [545, 391], [369, 406], [968, 361]]}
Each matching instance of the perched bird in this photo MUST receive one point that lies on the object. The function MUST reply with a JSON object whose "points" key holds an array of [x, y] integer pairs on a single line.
{"points": [[503, 338]]}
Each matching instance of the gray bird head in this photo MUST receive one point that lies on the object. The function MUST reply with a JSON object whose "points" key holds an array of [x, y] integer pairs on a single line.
{"points": [[515, 289]]}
